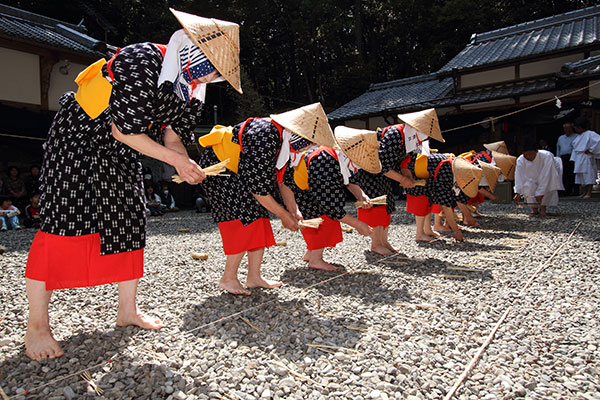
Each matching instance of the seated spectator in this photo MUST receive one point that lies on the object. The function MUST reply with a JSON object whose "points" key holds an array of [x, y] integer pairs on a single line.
{"points": [[2, 187], [152, 202], [32, 212], [9, 214], [167, 202], [16, 187], [32, 183]]}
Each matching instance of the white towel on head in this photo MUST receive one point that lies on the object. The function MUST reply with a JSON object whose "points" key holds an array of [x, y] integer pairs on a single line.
{"points": [[347, 167], [284, 153]]}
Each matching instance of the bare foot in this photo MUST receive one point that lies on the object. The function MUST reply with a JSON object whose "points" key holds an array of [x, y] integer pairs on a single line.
{"points": [[306, 256], [390, 247], [543, 214], [138, 319], [471, 222], [234, 287], [587, 196], [442, 228], [433, 233], [423, 238], [41, 344], [323, 265], [383, 250], [263, 283]]}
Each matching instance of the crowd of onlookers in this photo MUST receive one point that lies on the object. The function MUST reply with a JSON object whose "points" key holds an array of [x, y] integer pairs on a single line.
{"points": [[19, 199]]}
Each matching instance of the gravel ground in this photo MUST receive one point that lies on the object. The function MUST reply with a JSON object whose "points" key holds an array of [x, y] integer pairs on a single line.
{"points": [[379, 329]]}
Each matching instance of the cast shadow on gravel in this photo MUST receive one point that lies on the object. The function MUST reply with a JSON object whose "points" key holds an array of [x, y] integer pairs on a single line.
{"points": [[286, 328], [427, 266], [367, 286], [82, 351], [170, 223]]}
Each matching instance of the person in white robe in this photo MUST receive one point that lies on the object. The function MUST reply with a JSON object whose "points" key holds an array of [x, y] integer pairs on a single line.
{"points": [[538, 178], [586, 149]]}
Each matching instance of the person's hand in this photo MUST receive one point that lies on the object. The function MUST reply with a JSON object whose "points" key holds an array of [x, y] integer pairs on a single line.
{"points": [[366, 201], [517, 198], [290, 222], [458, 235], [407, 183], [298, 215], [188, 170], [364, 229]]}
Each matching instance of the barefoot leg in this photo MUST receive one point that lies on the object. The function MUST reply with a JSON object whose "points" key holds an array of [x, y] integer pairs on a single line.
{"points": [[230, 281], [468, 218], [543, 211], [427, 230], [385, 241], [306, 256], [39, 342], [438, 226], [377, 245], [128, 313], [317, 262], [254, 278], [421, 236]]}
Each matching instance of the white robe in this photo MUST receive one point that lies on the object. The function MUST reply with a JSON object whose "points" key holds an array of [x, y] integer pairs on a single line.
{"points": [[586, 170], [540, 177]]}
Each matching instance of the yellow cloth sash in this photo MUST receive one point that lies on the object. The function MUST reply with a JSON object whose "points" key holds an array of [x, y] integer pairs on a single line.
{"points": [[301, 173], [468, 155], [421, 167], [94, 89], [220, 138]]}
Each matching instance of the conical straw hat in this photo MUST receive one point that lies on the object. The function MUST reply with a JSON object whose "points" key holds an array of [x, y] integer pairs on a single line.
{"points": [[361, 147], [500, 147], [425, 121], [310, 122], [467, 176], [506, 163], [491, 173], [218, 40]]}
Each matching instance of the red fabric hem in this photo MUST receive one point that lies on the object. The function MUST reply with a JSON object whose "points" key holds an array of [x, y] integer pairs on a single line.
{"points": [[238, 238], [375, 216], [418, 205], [328, 234], [65, 262]]}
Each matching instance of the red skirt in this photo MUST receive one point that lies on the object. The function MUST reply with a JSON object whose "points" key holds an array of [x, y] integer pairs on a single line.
{"points": [[65, 262], [418, 205], [238, 238], [477, 199], [375, 216], [328, 234], [436, 209]]}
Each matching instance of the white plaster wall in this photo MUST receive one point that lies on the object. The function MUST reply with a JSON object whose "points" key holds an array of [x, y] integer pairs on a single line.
{"points": [[60, 83], [19, 77], [546, 66], [487, 77]]}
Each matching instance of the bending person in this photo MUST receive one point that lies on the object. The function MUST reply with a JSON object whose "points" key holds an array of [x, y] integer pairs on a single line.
{"points": [[145, 100]]}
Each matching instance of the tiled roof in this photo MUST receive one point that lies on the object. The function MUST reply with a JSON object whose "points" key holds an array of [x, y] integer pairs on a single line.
{"points": [[581, 68], [36, 28], [559, 32], [401, 94]]}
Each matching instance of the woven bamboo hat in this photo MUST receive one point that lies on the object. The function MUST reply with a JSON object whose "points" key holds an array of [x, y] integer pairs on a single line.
{"points": [[506, 163], [491, 173], [361, 147], [425, 121], [500, 147], [467, 176], [310, 122], [218, 40]]}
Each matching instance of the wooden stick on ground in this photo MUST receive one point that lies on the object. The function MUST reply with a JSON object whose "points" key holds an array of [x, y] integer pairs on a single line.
{"points": [[251, 325]]}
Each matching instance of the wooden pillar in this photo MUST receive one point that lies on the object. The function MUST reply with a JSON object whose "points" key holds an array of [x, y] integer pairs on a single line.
{"points": [[46, 64]]}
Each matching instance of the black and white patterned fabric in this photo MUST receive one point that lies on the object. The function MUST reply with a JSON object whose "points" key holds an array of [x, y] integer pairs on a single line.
{"points": [[392, 149], [417, 190], [375, 185], [326, 193], [231, 196], [92, 183], [440, 188], [485, 156], [462, 196]]}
